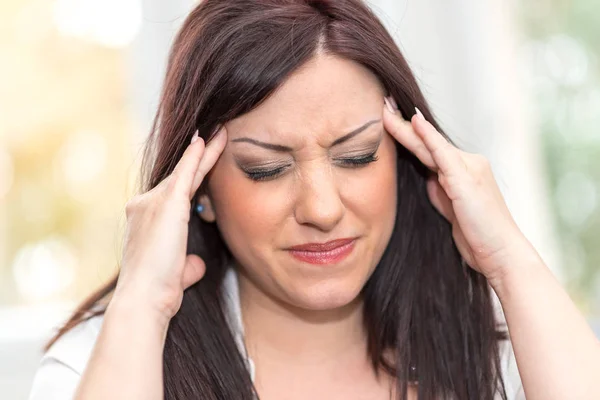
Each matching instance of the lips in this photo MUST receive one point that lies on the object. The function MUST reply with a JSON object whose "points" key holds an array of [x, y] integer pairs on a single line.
{"points": [[319, 247], [323, 253]]}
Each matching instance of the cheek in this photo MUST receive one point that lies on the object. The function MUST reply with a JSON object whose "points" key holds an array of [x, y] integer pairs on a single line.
{"points": [[373, 195], [245, 210]]}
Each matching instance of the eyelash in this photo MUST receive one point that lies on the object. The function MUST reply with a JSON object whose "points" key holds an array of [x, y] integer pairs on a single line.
{"points": [[263, 175]]}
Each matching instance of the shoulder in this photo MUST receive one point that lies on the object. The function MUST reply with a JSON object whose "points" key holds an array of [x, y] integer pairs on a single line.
{"points": [[75, 346], [61, 366]]}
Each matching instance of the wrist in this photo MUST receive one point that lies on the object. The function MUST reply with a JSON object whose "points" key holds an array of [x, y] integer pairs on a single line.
{"points": [[136, 310], [525, 265]]}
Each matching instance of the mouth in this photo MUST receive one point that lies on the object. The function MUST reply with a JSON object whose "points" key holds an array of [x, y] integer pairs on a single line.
{"points": [[323, 253]]}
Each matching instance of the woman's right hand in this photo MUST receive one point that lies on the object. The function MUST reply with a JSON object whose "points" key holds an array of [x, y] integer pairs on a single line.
{"points": [[154, 268]]}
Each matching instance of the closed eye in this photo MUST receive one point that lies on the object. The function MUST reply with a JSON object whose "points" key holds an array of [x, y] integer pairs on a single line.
{"points": [[359, 161], [264, 174], [349, 162]]}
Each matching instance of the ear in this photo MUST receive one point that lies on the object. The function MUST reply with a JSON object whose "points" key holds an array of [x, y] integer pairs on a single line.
{"points": [[208, 213]]}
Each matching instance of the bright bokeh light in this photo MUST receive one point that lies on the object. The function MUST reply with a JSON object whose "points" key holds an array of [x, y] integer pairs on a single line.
{"points": [[566, 60], [80, 160], [577, 198], [111, 23], [45, 268]]}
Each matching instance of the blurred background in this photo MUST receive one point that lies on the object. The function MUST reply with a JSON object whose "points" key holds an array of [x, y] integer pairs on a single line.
{"points": [[518, 81]]}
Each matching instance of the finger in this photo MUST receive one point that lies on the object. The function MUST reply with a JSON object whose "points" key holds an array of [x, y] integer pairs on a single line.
{"points": [[184, 172], [444, 154], [404, 133], [440, 199], [213, 150], [193, 270]]}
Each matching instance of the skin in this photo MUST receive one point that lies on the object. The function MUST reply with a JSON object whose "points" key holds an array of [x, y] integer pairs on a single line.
{"points": [[303, 322]]}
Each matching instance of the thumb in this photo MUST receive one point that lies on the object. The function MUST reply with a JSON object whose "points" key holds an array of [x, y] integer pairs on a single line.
{"points": [[193, 270]]}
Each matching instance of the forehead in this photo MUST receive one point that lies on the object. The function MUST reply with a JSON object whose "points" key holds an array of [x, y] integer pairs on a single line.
{"points": [[327, 96]]}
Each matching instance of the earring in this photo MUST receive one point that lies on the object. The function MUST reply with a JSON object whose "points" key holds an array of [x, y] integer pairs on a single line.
{"points": [[199, 208]]}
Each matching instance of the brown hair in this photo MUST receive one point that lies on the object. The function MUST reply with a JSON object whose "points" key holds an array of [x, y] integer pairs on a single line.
{"points": [[422, 301]]}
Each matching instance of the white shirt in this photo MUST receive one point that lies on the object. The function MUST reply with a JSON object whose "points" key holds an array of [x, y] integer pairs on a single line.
{"points": [[63, 364]]}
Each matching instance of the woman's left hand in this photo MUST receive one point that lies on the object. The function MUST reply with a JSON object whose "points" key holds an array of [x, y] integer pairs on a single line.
{"points": [[463, 189]]}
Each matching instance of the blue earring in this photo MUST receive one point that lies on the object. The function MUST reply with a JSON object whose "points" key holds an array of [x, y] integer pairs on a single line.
{"points": [[199, 208]]}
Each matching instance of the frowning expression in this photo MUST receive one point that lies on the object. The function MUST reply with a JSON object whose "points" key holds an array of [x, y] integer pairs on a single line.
{"points": [[310, 164]]}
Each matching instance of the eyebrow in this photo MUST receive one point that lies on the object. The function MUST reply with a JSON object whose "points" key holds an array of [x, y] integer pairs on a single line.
{"points": [[286, 149]]}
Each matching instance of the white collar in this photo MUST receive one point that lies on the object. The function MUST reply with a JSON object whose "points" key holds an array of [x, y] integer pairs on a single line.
{"points": [[231, 296]]}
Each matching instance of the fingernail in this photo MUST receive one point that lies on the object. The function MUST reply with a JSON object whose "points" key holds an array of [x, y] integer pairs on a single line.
{"points": [[195, 137], [393, 101], [389, 105], [419, 114]]}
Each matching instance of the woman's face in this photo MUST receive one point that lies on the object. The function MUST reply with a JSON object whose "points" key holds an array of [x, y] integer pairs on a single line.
{"points": [[308, 189]]}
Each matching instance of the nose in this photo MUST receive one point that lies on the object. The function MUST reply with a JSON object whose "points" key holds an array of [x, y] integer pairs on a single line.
{"points": [[318, 202]]}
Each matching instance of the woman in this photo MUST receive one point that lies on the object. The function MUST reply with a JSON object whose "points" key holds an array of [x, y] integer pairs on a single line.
{"points": [[331, 244]]}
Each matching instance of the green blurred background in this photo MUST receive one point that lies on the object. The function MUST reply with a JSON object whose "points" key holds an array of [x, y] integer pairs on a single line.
{"points": [[561, 56]]}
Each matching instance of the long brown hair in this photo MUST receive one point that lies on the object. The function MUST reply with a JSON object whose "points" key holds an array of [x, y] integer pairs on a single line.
{"points": [[422, 301]]}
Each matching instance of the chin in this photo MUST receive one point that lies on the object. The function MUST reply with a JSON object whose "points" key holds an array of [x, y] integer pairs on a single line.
{"points": [[326, 294]]}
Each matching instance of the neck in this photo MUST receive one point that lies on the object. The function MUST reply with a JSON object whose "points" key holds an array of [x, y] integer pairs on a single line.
{"points": [[278, 331]]}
